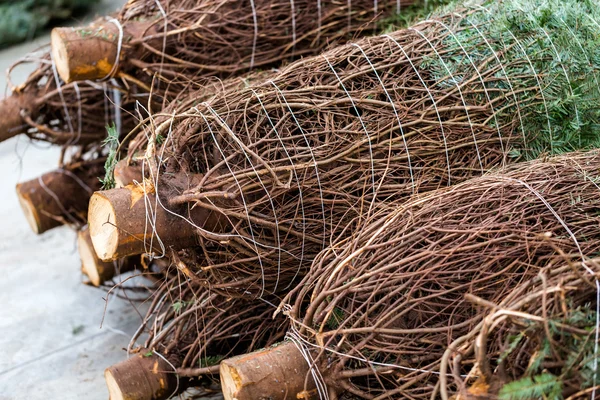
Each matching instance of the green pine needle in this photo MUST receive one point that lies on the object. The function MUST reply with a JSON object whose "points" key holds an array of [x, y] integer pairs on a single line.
{"points": [[112, 143], [544, 385]]}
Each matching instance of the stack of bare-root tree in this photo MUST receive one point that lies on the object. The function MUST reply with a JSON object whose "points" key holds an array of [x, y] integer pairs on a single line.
{"points": [[377, 311], [245, 190], [275, 171], [148, 56]]}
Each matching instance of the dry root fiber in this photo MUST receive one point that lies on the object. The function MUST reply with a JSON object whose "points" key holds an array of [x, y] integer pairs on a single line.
{"points": [[539, 341], [183, 37], [165, 48], [378, 309], [194, 330], [300, 159]]}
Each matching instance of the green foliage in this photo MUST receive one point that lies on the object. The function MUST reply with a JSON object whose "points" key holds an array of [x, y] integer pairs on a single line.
{"points": [[112, 143], [408, 15], [513, 343], [77, 330], [577, 351], [209, 361], [180, 305], [548, 53], [336, 318], [149, 354], [23, 19], [541, 386]]}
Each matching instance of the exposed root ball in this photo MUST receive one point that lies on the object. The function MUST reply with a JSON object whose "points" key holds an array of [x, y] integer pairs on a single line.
{"points": [[378, 309]]}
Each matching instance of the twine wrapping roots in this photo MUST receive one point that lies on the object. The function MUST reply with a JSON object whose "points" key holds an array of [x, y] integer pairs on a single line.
{"points": [[295, 162], [543, 331], [378, 309]]}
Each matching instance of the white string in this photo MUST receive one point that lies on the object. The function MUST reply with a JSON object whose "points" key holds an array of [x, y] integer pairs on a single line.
{"points": [[174, 370], [480, 78], [164, 43], [349, 5], [58, 83], [262, 269], [255, 38], [240, 144], [79, 112], [293, 23], [459, 91], [117, 107], [119, 48], [312, 156], [508, 80], [586, 58], [412, 179], [518, 42], [588, 269], [369, 362], [433, 101], [362, 124], [567, 78], [319, 17], [300, 195], [320, 383]]}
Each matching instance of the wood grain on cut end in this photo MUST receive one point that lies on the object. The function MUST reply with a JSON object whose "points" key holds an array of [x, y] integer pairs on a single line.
{"points": [[60, 54], [142, 377], [276, 373], [29, 211], [103, 229]]}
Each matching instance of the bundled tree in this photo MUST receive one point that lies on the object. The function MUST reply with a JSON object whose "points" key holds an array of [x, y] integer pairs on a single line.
{"points": [[184, 37], [76, 114], [378, 309], [260, 180], [162, 53], [189, 332], [541, 341]]}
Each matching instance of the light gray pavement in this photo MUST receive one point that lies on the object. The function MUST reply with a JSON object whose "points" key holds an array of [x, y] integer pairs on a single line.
{"points": [[51, 344]]}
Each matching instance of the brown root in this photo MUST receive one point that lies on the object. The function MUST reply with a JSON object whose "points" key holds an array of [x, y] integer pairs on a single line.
{"points": [[277, 373], [142, 377]]}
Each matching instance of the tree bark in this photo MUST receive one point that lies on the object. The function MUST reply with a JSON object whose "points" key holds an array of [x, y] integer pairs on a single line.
{"points": [[130, 220], [276, 373], [11, 122], [56, 198], [126, 174], [95, 51], [142, 377]]}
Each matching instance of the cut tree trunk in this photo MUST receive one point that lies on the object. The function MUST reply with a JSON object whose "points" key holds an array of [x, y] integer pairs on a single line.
{"points": [[142, 377], [97, 270], [95, 51], [131, 220], [12, 122], [276, 373], [126, 174], [56, 198]]}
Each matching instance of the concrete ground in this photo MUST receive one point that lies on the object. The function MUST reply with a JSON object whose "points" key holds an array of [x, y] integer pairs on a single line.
{"points": [[51, 344]]}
